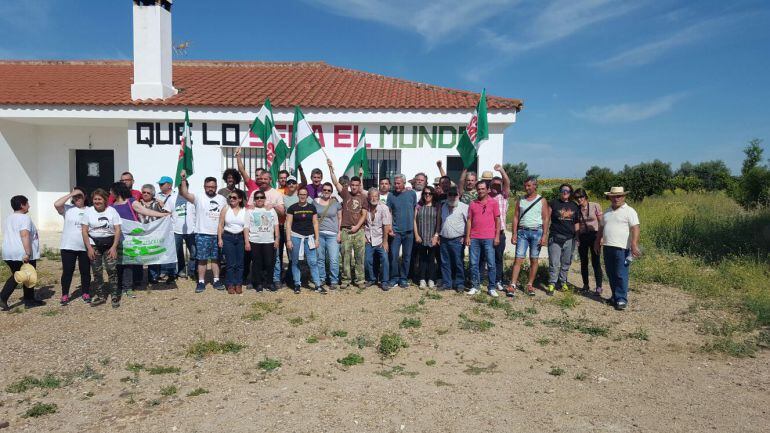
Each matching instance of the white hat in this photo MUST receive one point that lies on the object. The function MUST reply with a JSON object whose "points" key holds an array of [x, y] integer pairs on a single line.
{"points": [[616, 190]]}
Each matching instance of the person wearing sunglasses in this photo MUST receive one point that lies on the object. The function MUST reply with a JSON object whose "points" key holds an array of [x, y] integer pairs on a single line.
{"points": [[563, 233], [72, 247], [590, 219], [233, 240], [426, 237], [302, 239], [263, 237], [150, 202], [329, 220]]}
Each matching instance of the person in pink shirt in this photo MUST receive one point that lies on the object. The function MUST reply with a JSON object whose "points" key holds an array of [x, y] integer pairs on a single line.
{"points": [[482, 234]]}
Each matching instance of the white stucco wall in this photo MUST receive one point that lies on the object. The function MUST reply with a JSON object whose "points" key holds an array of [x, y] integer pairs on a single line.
{"points": [[18, 159]]}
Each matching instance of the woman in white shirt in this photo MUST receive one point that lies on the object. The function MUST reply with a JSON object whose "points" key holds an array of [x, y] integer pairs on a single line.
{"points": [[233, 239], [262, 236], [20, 245], [101, 235], [72, 247]]}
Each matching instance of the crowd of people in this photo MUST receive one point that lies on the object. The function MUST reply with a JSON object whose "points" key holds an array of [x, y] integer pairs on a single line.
{"points": [[385, 237]]}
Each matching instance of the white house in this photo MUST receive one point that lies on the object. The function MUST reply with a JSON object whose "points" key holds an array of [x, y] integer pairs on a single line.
{"points": [[67, 123]]}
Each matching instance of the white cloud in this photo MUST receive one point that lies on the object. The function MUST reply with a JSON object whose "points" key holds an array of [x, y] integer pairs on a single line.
{"points": [[651, 51], [435, 21], [629, 112], [561, 18]]}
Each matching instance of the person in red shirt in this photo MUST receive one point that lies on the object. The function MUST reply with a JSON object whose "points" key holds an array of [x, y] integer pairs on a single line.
{"points": [[128, 180], [482, 234]]}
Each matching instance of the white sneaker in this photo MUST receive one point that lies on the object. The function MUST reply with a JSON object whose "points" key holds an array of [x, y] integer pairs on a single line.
{"points": [[493, 293], [422, 284], [500, 287], [431, 284], [472, 291]]}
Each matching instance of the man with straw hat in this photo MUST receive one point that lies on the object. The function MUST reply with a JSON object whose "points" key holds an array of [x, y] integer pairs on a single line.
{"points": [[620, 236]]}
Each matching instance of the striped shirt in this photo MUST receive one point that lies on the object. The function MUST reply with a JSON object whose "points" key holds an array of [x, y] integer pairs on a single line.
{"points": [[453, 220], [426, 223]]}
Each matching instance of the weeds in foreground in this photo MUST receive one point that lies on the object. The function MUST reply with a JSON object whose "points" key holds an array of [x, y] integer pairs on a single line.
{"points": [[167, 391], [163, 370], [556, 371], [394, 371], [390, 344], [340, 333], [197, 391], [410, 322], [430, 362], [202, 349], [640, 334], [476, 370], [48, 381], [312, 339], [268, 364], [351, 359], [581, 325], [581, 376], [40, 409], [566, 301], [469, 324], [746, 348]]}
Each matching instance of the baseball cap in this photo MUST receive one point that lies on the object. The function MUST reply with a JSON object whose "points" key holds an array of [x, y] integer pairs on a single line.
{"points": [[165, 179], [291, 179]]}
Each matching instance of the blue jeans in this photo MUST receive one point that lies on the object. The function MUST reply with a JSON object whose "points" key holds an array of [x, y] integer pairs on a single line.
{"points": [[400, 272], [312, 262], [382, 255], [452, 263], [487, 247], [279, 257], [181, 241], [528, 238], [617, 272], [327, 244], [233, 250]]}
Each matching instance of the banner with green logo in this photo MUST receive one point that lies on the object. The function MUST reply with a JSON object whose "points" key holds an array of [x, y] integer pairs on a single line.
{"points": [[148, 244]]}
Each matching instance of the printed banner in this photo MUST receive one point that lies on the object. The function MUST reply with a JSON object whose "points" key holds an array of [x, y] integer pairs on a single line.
{"points": [[148, 244]]}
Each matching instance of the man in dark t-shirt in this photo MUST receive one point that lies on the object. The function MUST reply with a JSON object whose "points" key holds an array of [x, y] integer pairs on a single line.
{"points": [[561, 241], [351, 230]]}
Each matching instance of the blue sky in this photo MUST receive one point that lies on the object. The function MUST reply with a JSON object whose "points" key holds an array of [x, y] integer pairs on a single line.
{"points": [[604, 82]]}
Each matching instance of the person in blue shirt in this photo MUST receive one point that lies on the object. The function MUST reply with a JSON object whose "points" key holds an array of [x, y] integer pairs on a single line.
{"points": [[401, 203]]}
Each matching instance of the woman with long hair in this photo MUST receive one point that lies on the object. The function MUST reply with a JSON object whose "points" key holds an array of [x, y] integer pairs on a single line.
{"points": [[302, 238], [426, 236], [590, 219], [233, 239], [72, 247]]}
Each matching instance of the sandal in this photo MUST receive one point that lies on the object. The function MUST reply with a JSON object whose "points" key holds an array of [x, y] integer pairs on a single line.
{"points": [[530, 290]]}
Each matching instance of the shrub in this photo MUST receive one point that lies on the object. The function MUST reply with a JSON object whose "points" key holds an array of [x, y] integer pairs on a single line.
{"points": [[40, 409], [201, 349], [390, 344], [646, 179], [268, 364], [351, 359], [197, 391], [517, 173], [599, 180], [410, 322], [710, 175]]}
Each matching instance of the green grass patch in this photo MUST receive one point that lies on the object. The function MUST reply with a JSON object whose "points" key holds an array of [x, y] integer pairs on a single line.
{"points": [[476, 370], [163, 370], [361, 341], [134, 367], [430, 362], [410, 322], [566, 301], [197, 391], [351, 359], [390, 344], [50, 313], [640, 334], [40, 409], [168, 390], [581, 376], [340, 333], [296, 321], [581, 325], [411, 309], [202, 349], [268, 364], [48, 381], [433, 295], [556, 371], [543, 341], [394, 371], [469, 324], [312, 339], [746, 348]]}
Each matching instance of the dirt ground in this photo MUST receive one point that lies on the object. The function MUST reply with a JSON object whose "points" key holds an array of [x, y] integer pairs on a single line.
{"points": [[539, 367]]}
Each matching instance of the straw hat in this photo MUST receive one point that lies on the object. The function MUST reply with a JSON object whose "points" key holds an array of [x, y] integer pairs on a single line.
{"points": [[616, 190], [27, 275], [487, 175]]}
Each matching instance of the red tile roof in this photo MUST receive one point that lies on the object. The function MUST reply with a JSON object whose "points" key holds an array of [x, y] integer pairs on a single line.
{"points": [[229, 84]]}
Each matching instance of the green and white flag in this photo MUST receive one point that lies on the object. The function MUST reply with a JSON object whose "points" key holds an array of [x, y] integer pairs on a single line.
{"points": [[185, 161], [359, 158], [476, 134], [276, 150], [304, 142]]}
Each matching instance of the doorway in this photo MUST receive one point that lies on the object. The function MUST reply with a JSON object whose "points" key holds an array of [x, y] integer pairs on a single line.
{"points": [[94, 169]]}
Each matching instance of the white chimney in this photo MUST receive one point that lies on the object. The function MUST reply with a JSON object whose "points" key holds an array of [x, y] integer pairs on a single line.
{"points": [[152, 50]]}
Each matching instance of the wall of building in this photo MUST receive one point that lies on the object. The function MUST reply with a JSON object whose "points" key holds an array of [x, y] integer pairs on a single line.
{"points": [[19, 173]]}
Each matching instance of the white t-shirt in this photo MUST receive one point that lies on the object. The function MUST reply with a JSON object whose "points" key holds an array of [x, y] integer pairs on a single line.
{"points": [[234, 224], [262, 224], [182, 214], [101, 224], [13, 248], [207, 210], [72, 233], [617, 226]]}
